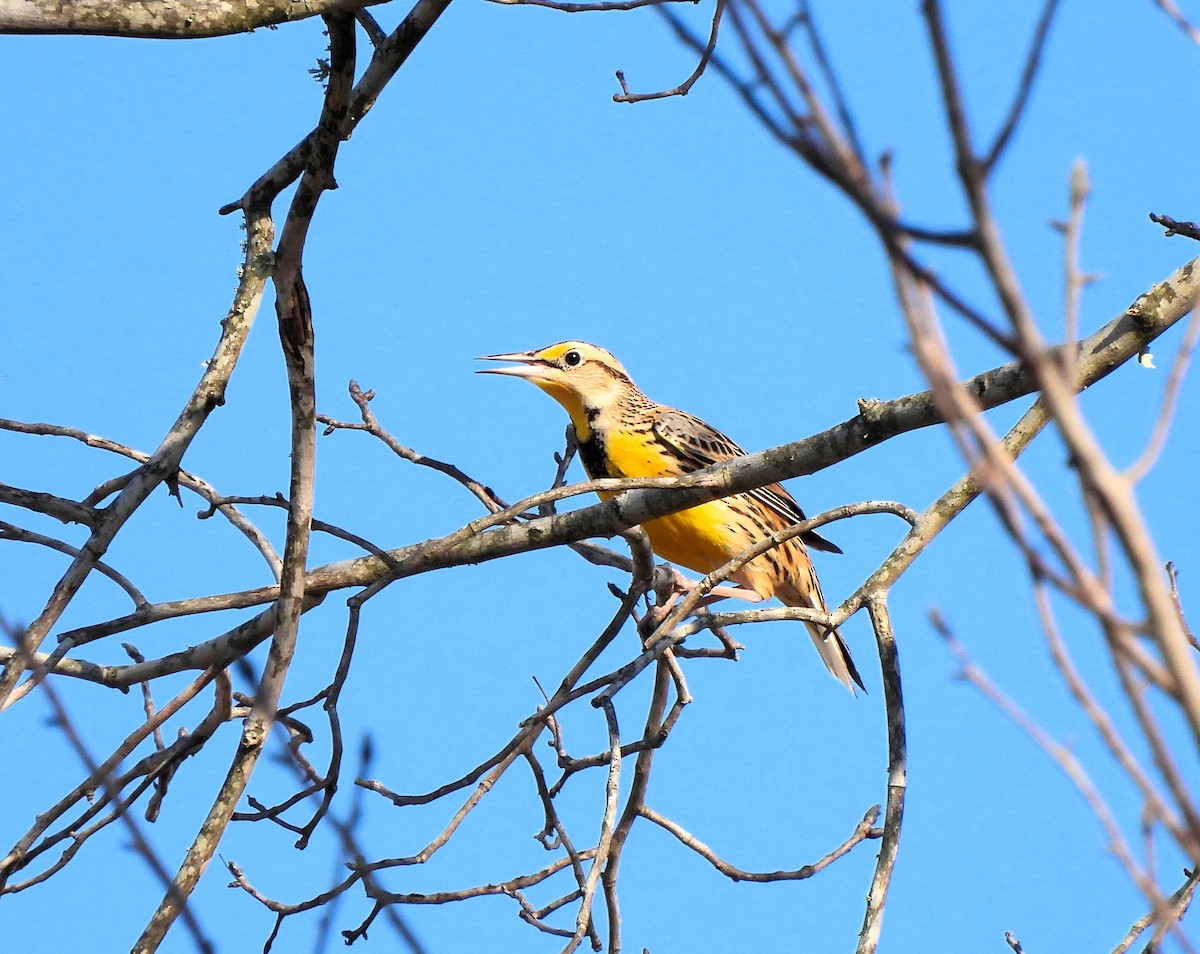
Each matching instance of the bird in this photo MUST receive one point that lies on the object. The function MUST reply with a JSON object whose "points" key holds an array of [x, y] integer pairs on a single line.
{"points": [[622, 433]]}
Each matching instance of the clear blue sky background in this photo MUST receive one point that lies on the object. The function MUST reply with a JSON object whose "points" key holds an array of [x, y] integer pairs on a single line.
{"points": [[496, 199]]}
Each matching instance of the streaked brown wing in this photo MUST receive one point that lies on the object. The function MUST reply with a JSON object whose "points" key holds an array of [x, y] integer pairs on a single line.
{"points": [[697, 445]]}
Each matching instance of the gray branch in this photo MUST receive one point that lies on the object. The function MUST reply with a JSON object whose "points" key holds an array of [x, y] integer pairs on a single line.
{"points": [[1096, 356], [159, 19]]}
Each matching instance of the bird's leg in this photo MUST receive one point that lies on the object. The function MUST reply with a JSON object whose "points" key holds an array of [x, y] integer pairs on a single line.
{"points": [[668, 585], [662, 587], [680, 584]]}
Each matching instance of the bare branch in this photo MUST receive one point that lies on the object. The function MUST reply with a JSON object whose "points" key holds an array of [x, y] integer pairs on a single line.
{"points": [[375, 33], [158, 19], [1032, 63], [1172, 912], [74, 668], [1153, 805], [1162, 423], [625, 96], [881, 623], [18, 535], [140, 843], [389, 56], [1189, 229], [1173, 573], [805, 18], [612, 791], [1074, 279], [864, 830], [67, 511], [18, 856], [182, 477], [1170, 8], [370, 424], [1061, 755]]}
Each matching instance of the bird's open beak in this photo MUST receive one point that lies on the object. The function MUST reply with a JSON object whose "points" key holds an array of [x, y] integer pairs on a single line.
{"points": [[527, 366]]}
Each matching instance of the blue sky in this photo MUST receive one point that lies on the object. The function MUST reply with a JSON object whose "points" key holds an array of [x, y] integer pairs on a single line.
{"points": [[496, 199]]}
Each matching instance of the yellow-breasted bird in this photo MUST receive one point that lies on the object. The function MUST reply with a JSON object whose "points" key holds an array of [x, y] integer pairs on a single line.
{"points": [[622, 433]]}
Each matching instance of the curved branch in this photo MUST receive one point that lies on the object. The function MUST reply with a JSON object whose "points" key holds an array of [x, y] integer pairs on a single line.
{"points": [[625, 96], [18, 534], [864, 830]]}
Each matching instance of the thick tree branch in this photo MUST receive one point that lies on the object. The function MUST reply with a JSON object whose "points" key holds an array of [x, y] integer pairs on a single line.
{"points": [[1099, 354], [159, 19]]}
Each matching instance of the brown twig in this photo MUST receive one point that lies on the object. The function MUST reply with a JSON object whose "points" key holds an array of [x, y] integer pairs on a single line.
{"points": [[87, 513], [1153, 805], [164, 463], [23, 851], [625, 96], [375, 33], [1029, 72], [633, 803], [1187, 229], [1074, 279], [370, 424], [1173, 574]]}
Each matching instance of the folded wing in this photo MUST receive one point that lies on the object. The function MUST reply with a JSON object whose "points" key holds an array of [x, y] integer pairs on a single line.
{"points": [[698, 445]]}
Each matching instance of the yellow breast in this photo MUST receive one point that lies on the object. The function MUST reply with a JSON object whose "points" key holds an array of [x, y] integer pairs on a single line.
{"points": [[701, 538]]}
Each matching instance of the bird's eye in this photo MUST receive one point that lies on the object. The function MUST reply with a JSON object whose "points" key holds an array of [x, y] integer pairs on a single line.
{"points": [[572, 359]]}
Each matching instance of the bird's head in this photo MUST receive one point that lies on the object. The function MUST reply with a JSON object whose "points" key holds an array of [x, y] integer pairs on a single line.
{"points": [[584, 379]]}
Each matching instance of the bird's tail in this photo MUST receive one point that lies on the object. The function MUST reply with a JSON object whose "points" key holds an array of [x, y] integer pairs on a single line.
{"points": [[836, 655], [788, 575]]}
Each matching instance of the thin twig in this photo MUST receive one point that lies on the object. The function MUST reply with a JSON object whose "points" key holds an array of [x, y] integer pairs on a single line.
{"points": [[1033, 60], [625, 96], [864, 830], [1059, 753], [1166, 414]]}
